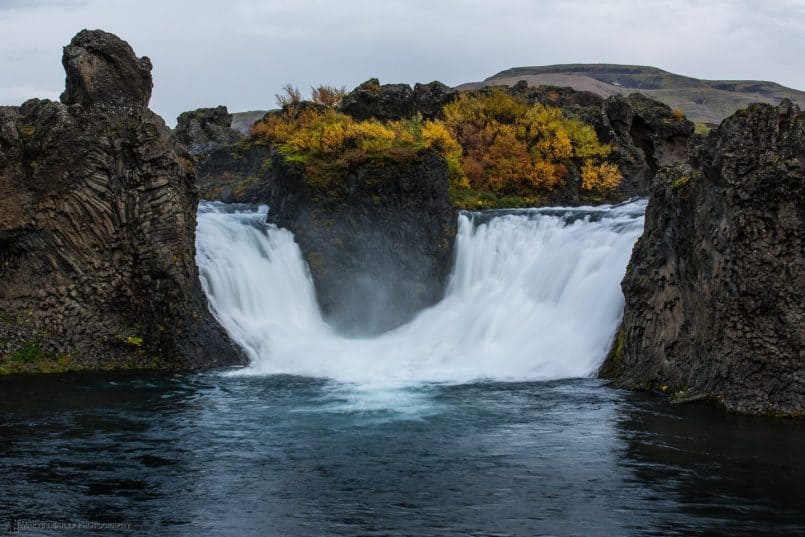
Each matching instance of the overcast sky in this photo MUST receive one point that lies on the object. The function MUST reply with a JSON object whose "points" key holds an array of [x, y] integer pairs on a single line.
{"points": [[240, 52]]}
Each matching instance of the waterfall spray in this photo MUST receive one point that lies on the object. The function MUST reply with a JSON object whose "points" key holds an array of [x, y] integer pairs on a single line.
{"points": [[534, 295]]}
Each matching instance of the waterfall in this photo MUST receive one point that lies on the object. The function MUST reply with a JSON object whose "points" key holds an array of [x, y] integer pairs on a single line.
{"points": [[534, 295]]}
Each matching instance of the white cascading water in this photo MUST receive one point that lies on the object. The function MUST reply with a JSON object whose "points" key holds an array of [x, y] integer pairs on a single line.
{"points": [[534, 295]]}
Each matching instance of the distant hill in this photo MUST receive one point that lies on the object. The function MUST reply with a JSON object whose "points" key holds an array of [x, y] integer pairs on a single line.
{"points": [[703, 101], [243, 121]]}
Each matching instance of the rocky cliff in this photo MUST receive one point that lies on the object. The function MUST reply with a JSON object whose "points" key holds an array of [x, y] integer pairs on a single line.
{"points": [[97, 227], [714, 289], [379, 241]]}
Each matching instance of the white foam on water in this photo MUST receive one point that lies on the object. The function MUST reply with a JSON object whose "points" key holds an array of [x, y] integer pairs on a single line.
{"points": [[534, 295]]}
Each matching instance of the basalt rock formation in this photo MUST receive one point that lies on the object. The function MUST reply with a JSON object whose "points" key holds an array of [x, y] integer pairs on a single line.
{"points": [[239, 171], [97, 227], [379, 241], [370, 100], [205, 129], [714, 289]]}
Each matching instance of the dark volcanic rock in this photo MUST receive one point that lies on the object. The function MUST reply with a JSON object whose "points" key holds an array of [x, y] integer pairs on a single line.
{"points": [[646, 134], [102, 68], [205, 129], [237, 173], [555, 96], [97, 225], [379, 242], [714, 304], [370, 100], [430, 98]]}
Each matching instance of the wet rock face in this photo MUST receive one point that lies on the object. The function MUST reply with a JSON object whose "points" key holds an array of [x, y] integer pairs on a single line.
{"points": [[379, 243], [714, 304], [97, 224], [205, 129], [101, 67]]}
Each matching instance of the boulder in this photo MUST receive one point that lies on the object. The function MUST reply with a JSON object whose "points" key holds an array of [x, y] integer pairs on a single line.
{"points": [[388, 102], [430, 98], [379, 241], [714, 305], [97, 227], [205, 129]]}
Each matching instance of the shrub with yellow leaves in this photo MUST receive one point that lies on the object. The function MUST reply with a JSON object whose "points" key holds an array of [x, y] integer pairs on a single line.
{"points": [[513, 148], [492, 141], [603, 177]]}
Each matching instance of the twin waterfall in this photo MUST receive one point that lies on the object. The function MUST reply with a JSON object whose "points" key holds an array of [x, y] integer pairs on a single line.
{"points": [[534, 295]]}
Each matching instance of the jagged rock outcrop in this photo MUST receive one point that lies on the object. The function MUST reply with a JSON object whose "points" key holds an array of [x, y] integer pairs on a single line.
{"points": [[562, 97], [379, 241], [205, 129], [103, 69], [97, 227], [647, 134], [370, 100], [714, 289], [430, 98], [239, 172], [387, 102]]}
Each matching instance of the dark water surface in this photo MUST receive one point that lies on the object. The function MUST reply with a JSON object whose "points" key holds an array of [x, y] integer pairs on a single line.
{"points": [[216, 455]]}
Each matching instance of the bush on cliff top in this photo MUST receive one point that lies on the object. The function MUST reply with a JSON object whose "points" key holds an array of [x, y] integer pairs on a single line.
{"points": [[327, 142], [513, 148], [499, 148]]}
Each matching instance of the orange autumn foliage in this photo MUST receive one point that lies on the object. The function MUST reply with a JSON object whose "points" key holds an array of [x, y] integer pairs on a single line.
{"points": [[513, 148]]}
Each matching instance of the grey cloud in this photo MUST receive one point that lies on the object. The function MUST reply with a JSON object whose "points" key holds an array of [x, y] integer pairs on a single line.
{"points": [[239, 53]]}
